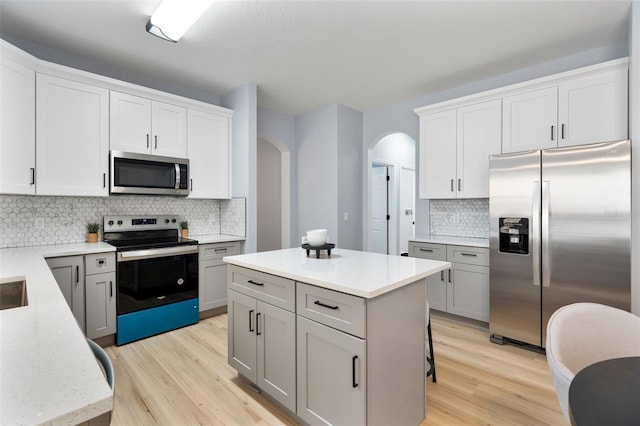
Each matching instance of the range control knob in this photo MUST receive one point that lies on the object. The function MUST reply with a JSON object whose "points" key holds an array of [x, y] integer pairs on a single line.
{"points": [[173, 221], [119, 222], [166, 221], [110, 223]]}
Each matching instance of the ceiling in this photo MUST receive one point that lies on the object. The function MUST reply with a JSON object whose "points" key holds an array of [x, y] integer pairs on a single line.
{"points": [[303, 55]]}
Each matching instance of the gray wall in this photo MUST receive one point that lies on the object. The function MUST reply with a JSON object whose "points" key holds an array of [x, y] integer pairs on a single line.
{"points": [[244, 103], [634, 128], [269, 206], [349, 183], [317, 157], [69, 60], [279, 129]]}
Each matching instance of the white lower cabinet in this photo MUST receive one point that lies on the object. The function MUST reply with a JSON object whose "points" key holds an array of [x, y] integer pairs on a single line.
{"points": [[464, 288], [262, 345], [100, 295], [69, 274], [212, 274], [332, 378], [88, 284]]}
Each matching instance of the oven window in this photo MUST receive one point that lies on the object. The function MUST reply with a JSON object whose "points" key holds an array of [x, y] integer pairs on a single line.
{"points": [[144, 174], [147, 283]]}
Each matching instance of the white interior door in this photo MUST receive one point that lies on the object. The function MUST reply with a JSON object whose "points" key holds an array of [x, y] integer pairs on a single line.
{"points": [[407, 207], [379, 210]]}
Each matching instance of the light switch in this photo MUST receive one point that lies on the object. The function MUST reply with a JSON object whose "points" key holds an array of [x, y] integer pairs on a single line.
{"points": [[346, 217]]}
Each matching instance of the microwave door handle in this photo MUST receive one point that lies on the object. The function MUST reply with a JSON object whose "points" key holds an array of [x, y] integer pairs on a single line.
{"points": [[177, 166]]}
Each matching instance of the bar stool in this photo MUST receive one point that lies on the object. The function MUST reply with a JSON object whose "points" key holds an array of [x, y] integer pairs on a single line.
{"points": [[430, 359]]}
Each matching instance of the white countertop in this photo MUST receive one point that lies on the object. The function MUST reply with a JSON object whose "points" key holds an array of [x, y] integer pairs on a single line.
{"points": [[358, 273], [457, 241], [48, 373], [216, 238]]}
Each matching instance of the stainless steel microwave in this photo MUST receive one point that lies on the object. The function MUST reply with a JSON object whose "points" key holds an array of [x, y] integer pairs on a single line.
{"points": [[133, 173]]}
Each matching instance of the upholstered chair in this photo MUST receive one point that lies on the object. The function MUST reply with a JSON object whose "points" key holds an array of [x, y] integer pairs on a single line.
{"points": [[582, 334]]}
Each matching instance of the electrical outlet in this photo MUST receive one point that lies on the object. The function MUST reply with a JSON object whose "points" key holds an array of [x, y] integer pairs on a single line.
{"points": [[40, 223]]}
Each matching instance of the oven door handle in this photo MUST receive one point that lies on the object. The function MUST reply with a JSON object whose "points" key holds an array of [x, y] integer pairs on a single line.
{"points": [[127, 256]]}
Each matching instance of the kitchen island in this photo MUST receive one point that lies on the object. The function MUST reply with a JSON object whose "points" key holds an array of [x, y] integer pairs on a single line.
{"points": [[338, 339]]}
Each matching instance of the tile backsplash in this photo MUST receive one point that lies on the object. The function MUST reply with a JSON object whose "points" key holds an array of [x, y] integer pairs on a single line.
{"points": [[27, 220], [459, 218]]}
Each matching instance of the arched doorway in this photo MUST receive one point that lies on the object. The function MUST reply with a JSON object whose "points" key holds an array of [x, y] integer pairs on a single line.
{"points": [[391, 184], [273, 198]]}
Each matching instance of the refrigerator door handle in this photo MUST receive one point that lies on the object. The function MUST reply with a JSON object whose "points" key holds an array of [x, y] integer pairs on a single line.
{"points": [[546, 213], [535, 232]]}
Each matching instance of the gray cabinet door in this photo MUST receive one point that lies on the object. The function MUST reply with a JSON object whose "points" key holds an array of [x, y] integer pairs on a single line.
{"points": [[437, 291], [242, 348], [468, 293], [69, 274], [213, 284], [331, 375], [101, 304], [276, 334]]}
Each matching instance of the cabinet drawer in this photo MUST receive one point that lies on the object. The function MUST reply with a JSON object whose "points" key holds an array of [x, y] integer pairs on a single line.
{"points": [[338, 310], [99, 263], [428, 250], [217, 250], [268, 288], [468, 255]]}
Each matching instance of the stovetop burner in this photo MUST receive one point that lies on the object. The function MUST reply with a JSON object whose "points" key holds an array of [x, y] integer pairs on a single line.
{"points": [[143, 232]]}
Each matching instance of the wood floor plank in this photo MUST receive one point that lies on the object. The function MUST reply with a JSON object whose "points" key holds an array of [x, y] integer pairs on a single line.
{"points": [[182, 378]]}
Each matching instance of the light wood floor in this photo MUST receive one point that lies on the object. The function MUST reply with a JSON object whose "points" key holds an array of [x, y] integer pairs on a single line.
{"points": [[182, 378]]}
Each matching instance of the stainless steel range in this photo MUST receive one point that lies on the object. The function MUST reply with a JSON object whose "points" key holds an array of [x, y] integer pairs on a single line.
{"points": [[156, 275]]}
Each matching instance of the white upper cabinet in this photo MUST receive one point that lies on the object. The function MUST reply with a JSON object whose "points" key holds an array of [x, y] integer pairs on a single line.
{"points": [[454, 150], [438, 155], [529, 120], [147, 127], [72, 137], [594, 108], [209, 155], [17, 126], [579, 109], [478, 137]]}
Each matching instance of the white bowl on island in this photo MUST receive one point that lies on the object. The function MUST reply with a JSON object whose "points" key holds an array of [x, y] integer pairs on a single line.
{"points": [[317, 237]]}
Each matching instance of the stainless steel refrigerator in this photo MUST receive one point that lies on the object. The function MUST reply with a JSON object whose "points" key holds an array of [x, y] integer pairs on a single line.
{"points": [[560, 232]]}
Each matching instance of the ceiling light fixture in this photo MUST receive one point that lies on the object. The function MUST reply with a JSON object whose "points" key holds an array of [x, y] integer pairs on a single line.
{"points": [[174, 17]]}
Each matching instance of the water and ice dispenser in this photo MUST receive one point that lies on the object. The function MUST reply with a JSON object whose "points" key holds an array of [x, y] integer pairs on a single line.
{"points": [[514, 235]]}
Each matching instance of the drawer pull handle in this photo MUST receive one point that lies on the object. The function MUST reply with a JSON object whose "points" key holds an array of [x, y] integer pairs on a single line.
{"points": [[449, 275], [255, 283], [353, 371], [442, 276], [258, 324], [77, 274], [111, 289], [319, 303], [250, 318], [427, 250], [221, 250], [469, 254]]}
